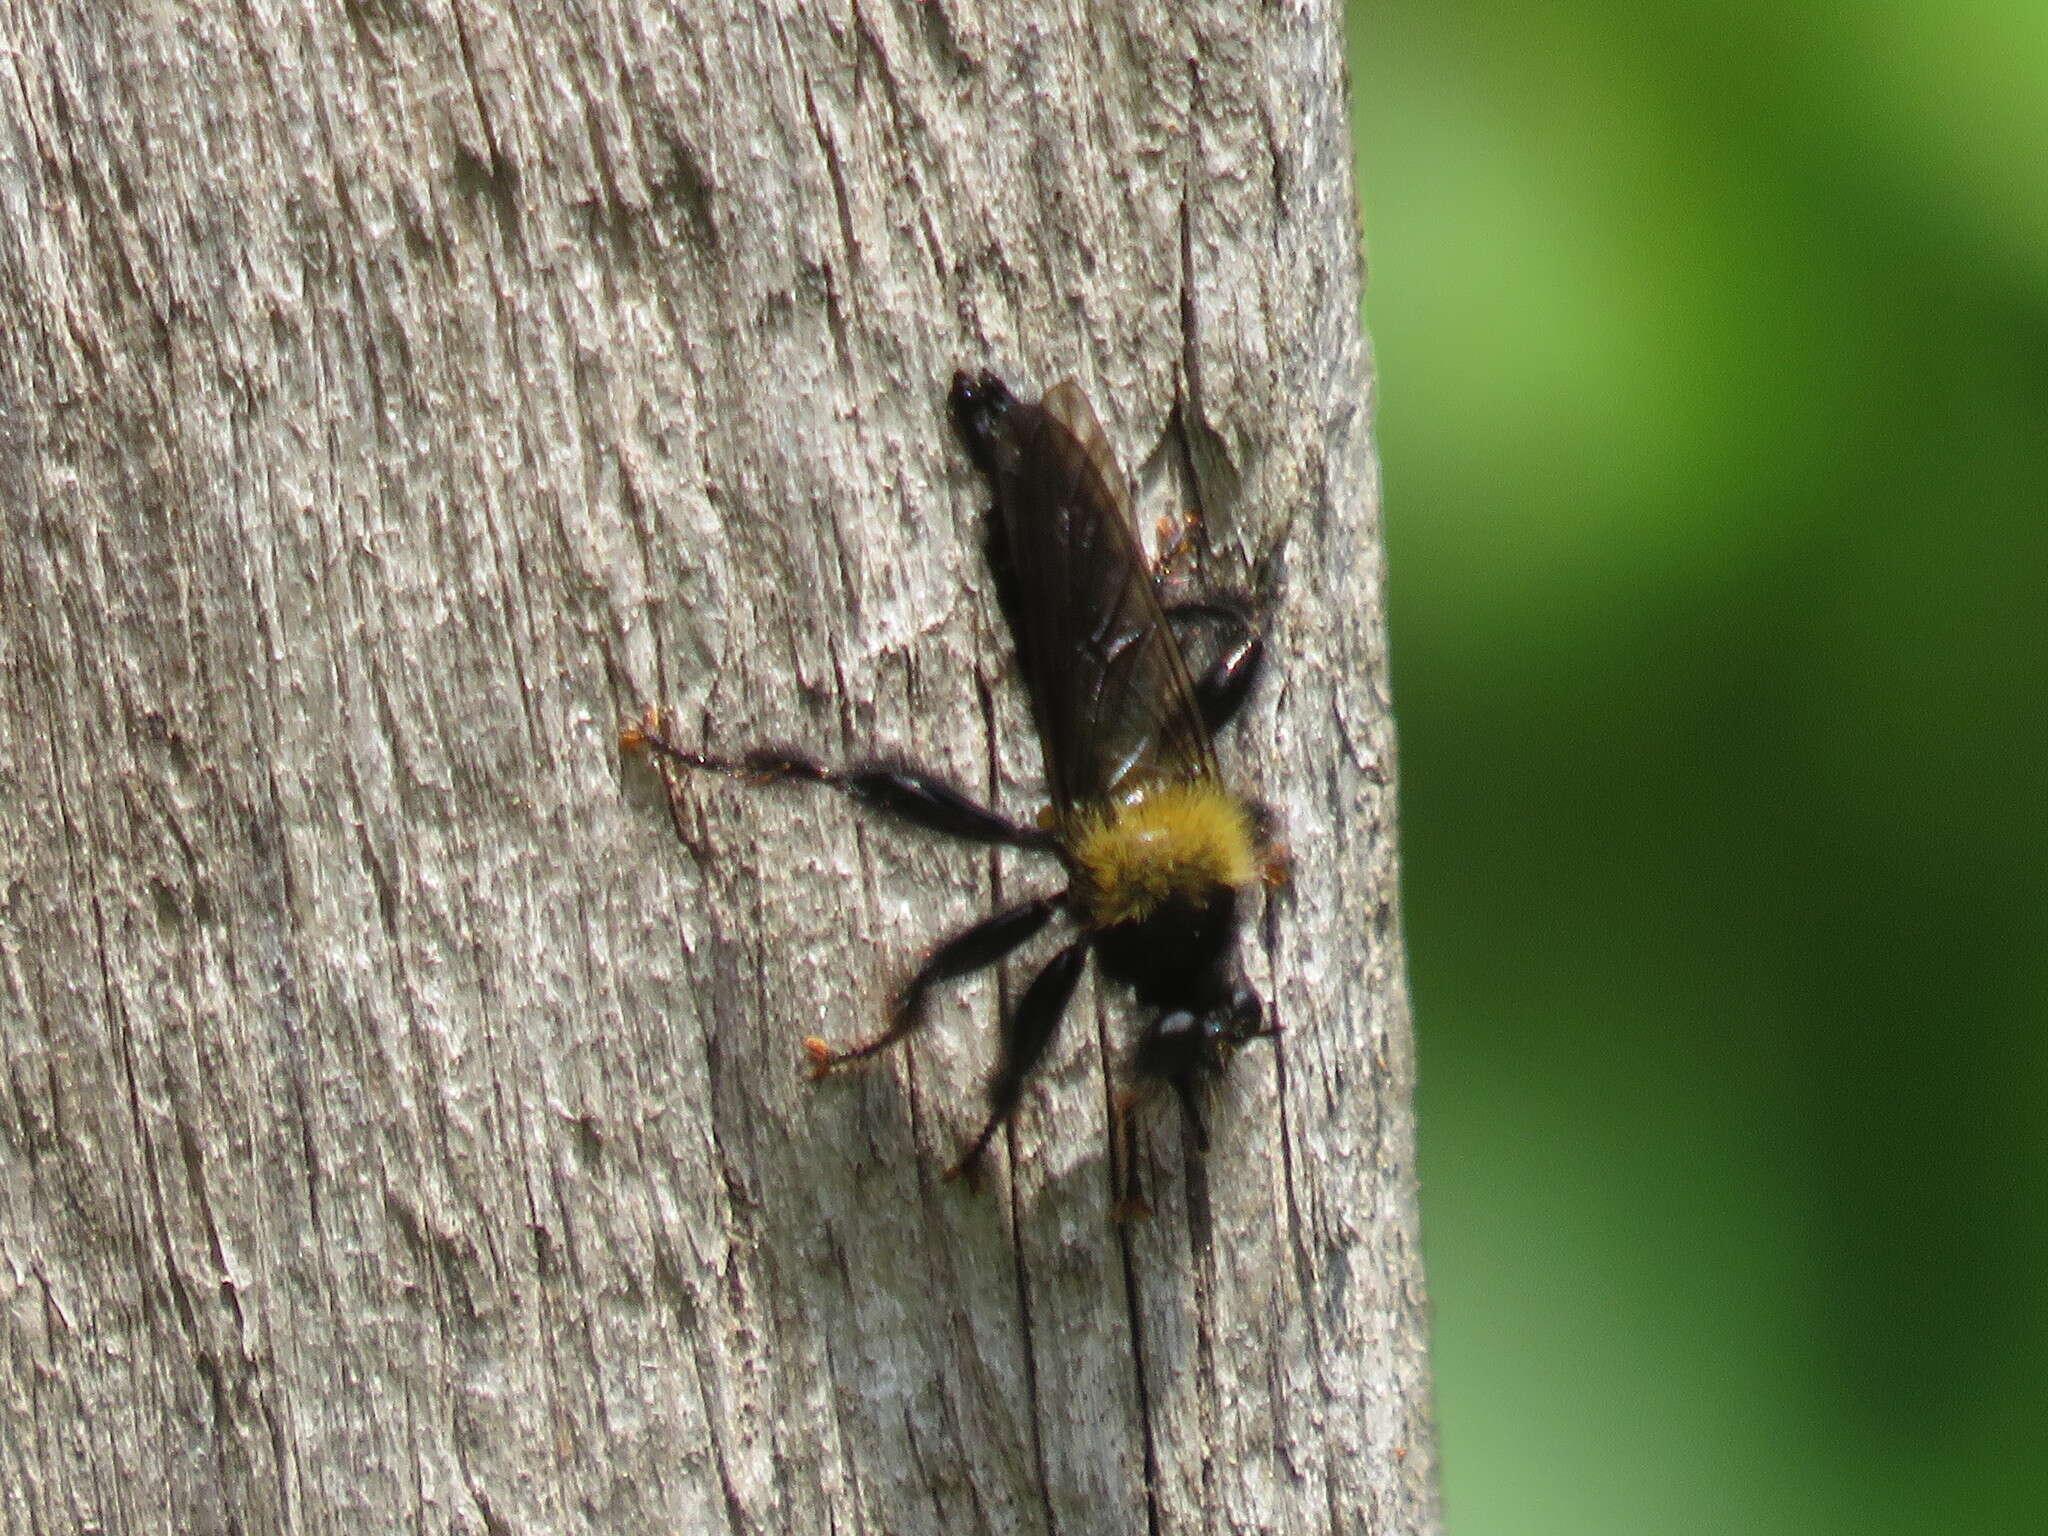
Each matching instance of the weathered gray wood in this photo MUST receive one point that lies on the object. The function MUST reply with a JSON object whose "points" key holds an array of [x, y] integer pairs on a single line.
{"points": [[402, 1126]]}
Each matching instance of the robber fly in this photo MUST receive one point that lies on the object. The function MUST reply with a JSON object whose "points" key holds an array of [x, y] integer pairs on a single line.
{"points": [[1160, 855]]}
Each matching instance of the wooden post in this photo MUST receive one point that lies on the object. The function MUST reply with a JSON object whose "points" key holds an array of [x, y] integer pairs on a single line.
{"points": [[403, 1124]]}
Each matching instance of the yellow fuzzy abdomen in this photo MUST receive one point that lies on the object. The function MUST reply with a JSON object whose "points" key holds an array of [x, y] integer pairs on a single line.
{"points": [[1175, 840]]}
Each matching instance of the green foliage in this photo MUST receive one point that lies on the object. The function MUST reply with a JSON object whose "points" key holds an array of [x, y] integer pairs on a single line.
{"points": [[1713, 351]]}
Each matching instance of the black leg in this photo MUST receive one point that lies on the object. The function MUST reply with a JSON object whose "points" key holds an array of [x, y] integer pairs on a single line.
{"points": [[967, 951], [923, 799], [1227, 682], [932, 803], [1026, 1033]]}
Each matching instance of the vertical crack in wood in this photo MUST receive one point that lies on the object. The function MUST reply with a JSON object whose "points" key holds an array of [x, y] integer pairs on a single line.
{"points": [[1019, 1269], [1190, 343], [835, 172], [1202, 1266], [1133, 1296]]}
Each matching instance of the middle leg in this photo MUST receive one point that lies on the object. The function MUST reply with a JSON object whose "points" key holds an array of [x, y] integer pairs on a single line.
{"points": [[967, 951], [1026, 1034]]}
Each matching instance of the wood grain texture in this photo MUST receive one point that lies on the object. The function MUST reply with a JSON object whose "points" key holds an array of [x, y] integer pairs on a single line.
{"points": [[402, 1125]]}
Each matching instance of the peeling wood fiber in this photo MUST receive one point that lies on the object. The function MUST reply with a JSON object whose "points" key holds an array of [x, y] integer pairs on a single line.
{"points": [[401, 1125]]}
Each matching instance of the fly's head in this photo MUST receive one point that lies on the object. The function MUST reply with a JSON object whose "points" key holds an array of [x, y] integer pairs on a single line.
{"points": [[1185, 1043]]}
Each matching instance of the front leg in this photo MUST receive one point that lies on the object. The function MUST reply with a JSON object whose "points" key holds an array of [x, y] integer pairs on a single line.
{"points": [[909, 794]]}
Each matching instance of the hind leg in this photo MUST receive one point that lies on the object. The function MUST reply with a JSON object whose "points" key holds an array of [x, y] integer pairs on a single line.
{"points": [[909, 794], [1224, 685]]}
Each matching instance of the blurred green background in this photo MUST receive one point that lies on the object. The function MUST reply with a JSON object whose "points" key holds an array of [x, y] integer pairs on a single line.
{"points": [[1713, 360]]}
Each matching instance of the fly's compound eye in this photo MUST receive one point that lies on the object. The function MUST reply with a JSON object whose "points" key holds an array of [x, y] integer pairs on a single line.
{"points": [[1248, 1016], [992, 394]]}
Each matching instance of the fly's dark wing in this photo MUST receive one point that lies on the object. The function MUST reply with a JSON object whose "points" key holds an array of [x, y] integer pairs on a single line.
{"points": [[1109, 688]]}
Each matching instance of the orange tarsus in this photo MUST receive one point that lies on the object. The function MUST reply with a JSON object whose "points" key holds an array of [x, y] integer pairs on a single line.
{"points": [[641, 734], [822, 1058], [1279, 865], [1176, 541]]}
